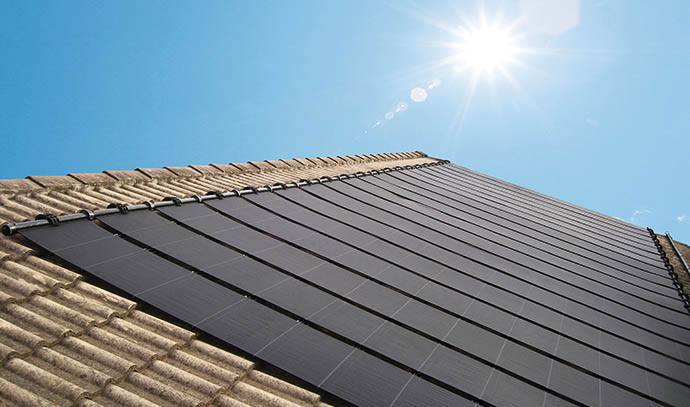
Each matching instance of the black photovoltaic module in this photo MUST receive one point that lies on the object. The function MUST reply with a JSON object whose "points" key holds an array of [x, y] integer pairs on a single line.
{"points": [[431, 286]]}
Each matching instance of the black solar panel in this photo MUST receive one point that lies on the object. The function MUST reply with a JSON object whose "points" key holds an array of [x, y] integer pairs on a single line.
{"points": [[431, 286]]}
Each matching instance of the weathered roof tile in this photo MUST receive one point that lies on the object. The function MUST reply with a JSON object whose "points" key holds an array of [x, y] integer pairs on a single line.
{"points": [[184, 171], [54, 181], [246, 167], [294, 163], [18, 185], [94, 178], [207, 169], [262, 165], [156, 173], [128, 176], [227, 168]]}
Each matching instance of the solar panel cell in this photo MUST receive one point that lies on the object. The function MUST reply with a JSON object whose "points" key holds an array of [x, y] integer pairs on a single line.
{"points": [[466, 374], [306, 352], [420, 392], [526, 363], [191, 298], [247, 274], [378, 298], [575, 384], [505, 390], [335, 278], [401, 345], [475, 340], [138, 272], [298, 297], [426, 319], [365, 380], [248, 325], [348, 320]]}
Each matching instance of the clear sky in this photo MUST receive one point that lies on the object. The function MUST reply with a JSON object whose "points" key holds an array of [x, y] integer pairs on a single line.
{"points": [[592, 104]]}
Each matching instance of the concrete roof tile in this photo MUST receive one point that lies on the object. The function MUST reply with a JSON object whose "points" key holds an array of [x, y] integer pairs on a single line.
{"points": [[294, 163], [279, 164], [184, 171], [354, 158], [316, 161], [156, 173], [227, 168], [54, 181], [246, 167], [207, 169], [127, 175], [93, 178], [262, 165], [18, 185]]}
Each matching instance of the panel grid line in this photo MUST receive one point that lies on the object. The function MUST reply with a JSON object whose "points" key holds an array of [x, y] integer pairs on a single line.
{"points": [[536, 323]]}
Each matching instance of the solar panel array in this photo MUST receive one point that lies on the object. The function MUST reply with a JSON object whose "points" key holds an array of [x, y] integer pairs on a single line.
{"points": [[434, 286]]}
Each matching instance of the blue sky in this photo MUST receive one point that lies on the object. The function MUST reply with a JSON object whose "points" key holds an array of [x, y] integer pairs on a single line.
{"points": [[597, 112]]}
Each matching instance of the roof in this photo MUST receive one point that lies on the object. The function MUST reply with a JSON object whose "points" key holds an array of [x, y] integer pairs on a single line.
{"points": [[417, 285], [70, 340]]}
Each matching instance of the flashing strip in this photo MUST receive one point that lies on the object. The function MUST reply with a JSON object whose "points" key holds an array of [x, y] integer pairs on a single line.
{"points": [[680, 256], [674, 276]]}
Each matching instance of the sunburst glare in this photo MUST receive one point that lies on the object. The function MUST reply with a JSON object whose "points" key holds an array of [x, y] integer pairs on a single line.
{"points": [[480, 48], [486, 47]]}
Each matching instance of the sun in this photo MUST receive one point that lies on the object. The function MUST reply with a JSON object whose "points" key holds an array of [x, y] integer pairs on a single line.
{"points": [[485, 48]]}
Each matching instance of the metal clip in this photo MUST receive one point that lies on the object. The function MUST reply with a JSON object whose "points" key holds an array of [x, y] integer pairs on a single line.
{"points": [[52, 219], [177, 201], [120, 207], [89, 214]]}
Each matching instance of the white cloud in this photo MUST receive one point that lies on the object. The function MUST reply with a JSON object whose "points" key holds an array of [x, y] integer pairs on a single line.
{"points": [[638, 212], [592, 122], [550, 17], [683, 218]]}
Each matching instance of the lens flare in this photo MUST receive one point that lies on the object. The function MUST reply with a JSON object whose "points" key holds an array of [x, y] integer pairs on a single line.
{"points": [[418, 95]]}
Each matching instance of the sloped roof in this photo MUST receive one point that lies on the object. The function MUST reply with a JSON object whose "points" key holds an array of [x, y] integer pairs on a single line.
{"points": [[433, 285], [66, 341]]}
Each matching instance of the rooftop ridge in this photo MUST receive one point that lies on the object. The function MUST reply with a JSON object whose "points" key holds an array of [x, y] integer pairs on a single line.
{"points": [[9, 229], [171, 173]]}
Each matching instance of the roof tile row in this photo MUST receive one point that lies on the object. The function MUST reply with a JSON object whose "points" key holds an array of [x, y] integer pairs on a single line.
{"points": [[36, 182]]}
